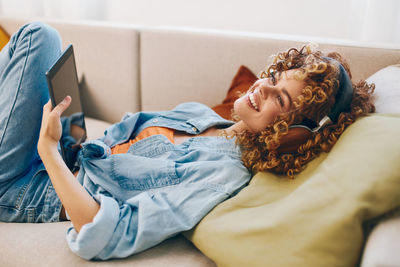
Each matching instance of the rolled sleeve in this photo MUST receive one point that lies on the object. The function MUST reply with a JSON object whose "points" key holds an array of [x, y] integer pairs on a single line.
{"points": [[95, 236], [150, 204], [143, 221]]}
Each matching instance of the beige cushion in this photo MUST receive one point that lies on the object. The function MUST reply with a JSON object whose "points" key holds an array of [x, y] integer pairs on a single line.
{"points": [[26, 244], [387, 90], [198, 65], [107, 60], [316, 219]]}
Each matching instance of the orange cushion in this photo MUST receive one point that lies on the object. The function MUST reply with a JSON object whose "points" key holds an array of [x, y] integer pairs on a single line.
{"points": [[4, 38], [242, 81]]}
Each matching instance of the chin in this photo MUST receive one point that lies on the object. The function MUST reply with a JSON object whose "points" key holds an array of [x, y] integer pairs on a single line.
{"points": [[239, 107]]}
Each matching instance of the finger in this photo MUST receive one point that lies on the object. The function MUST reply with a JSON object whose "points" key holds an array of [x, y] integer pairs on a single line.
{"points": [[62, 106], [48, 106], [46, 110]]}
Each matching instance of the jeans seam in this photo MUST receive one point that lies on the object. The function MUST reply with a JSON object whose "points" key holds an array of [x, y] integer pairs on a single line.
{"points": [[19, 85], [20, 197], [50, 196]]}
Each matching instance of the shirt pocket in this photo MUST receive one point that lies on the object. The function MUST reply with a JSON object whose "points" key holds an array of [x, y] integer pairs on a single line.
{"points": [[135, 173]]}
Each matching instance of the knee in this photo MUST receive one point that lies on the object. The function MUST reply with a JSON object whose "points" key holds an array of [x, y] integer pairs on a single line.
{"points": [[38, 33], [43, 32]]}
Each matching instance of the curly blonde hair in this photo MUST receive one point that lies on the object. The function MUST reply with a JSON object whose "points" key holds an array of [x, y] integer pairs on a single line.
{"points": [[283, 150]]}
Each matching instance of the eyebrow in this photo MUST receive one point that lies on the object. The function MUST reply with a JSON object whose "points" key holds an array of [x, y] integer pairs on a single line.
{"points": [[288, 96]]}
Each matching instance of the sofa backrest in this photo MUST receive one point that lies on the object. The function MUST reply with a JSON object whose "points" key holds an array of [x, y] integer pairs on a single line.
{"points": [[128, 68], [107, 59], [179, 65]]}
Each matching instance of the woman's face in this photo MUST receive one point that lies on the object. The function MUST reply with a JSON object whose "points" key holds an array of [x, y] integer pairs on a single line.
{"points": [[268, 98]]}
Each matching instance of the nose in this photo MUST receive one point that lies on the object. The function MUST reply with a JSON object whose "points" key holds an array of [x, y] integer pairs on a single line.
{"points": [[266, 89]]}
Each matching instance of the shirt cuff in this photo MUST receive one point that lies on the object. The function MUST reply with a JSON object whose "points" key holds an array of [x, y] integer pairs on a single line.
{"points": [[94, 237]]}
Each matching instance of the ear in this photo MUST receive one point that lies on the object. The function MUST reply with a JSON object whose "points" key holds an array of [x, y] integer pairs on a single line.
{"points": [[294, 138]]}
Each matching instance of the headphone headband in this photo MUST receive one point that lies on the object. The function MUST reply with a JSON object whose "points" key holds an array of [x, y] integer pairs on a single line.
{"points": [[343, 99], [344, 94]]}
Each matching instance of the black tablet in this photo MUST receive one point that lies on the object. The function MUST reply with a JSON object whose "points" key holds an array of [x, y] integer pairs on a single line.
{"points": [[62, 80]]}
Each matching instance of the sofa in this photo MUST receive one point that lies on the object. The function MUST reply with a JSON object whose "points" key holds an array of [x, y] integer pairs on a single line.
{"points": [[129, 68]]}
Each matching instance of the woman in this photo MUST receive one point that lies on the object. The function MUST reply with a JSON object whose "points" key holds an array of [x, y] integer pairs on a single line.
{"points": [[155, 174]]}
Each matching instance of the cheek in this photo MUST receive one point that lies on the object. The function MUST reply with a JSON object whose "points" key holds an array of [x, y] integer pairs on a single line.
{"points": [[255, 121], [265, 119], [258, 122], [269, 113]]}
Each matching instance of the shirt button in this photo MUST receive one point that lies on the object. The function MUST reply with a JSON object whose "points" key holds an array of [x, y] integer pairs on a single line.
{"points": [[155, 120], [194, 129]]}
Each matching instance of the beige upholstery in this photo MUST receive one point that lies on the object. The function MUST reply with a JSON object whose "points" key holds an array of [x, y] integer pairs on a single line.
{"points": [[179, 65], [95, 128], [107, 56], [45, 245], [127, 68]]}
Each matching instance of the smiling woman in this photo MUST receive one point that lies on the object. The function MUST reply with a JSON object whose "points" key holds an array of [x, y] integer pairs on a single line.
{"points": [[301, 87], [155, 174]]}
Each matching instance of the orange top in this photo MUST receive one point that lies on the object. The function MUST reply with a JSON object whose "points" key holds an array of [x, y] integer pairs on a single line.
{"points": [[153, 130]]}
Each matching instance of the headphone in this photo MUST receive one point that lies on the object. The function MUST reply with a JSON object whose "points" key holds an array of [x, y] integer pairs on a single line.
{"points": [[299, 133]]}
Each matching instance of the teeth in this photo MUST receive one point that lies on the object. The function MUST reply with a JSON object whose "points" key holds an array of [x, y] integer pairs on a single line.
{"points": [[253, 102]]}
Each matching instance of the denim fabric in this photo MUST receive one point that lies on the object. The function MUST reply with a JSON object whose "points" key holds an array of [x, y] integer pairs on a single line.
{"points": [[152, 192], [26, 193], [70, 144], [157, 189]]}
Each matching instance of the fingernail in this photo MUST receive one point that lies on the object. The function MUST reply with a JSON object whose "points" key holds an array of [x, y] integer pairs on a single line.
{"points": [[65, 99]]}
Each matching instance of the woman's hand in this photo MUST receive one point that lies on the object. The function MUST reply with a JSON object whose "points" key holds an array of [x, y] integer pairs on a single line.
{"points": [[51, 129], [79, 204]]}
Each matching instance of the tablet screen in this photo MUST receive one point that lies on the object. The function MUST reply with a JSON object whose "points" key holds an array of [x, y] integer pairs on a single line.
{"points": [[62, 80]]}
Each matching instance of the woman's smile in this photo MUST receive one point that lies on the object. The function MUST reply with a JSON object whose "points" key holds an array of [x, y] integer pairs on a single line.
{"points": [[269, 98], [253, 100]]}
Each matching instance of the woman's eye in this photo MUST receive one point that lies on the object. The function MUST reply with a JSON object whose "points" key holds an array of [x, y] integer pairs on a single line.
{"points": [[280, 100], [273, 78]]}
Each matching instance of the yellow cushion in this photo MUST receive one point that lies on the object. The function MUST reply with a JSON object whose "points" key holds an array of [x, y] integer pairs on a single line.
{"points": [[4, 38], [316, 219]]}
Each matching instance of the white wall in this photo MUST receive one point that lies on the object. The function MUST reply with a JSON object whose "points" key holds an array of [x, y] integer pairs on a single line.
{"points": [[375, 21], [365, 20], [274, 16]]}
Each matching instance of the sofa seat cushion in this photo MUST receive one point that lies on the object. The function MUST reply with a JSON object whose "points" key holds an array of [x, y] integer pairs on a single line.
{"points": [[317, 218], [95, 128], [25, 244]]}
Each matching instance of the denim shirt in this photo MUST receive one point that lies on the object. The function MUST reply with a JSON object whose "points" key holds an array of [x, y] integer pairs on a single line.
{"points": [[157, 189]]}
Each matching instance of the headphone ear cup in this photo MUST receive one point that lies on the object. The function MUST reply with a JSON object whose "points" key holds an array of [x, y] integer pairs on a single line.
{"points": [[295, 137]]}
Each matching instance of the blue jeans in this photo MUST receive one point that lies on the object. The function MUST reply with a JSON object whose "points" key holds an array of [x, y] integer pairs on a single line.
{"points": [[26, 192]]}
